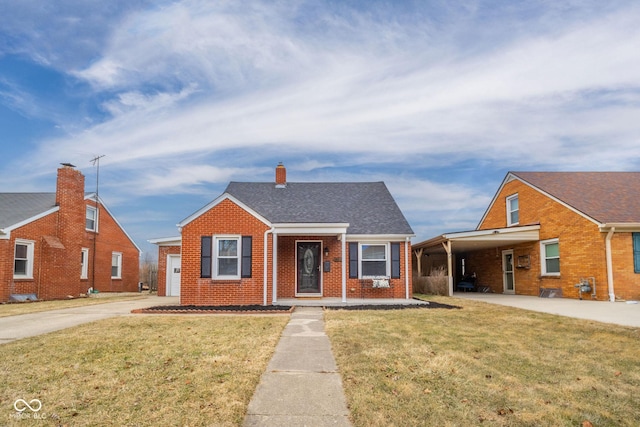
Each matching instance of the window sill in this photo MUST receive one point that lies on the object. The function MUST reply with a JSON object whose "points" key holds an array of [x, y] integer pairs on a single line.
{"points": [[220, 281]]}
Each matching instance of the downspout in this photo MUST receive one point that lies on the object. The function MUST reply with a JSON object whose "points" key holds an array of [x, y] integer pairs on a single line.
{"points": [[612, 294], [406, 267], [447, 248], [344, 267], [266, 263]]}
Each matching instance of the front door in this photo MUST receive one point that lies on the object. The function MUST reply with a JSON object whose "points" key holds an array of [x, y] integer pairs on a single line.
{"points": [[308, 268], [507, 272]]}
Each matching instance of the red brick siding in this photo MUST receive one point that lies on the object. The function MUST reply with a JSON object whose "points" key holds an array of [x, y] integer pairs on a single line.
{"points": [[110, 238], [228, 218], [225, 218], [582, 249], [56, 271], [163, 252]]}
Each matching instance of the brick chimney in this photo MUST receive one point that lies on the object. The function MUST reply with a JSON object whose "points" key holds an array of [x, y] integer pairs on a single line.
{"points": [[69, 187], [281, 176]]}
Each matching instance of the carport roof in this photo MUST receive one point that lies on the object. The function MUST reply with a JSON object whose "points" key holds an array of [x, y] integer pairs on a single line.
{"points": [[469, 241]]}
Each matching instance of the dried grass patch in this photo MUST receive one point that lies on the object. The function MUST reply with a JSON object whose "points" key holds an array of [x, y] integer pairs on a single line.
{"points": [[14, 309], [141, 370], [485, 365]]}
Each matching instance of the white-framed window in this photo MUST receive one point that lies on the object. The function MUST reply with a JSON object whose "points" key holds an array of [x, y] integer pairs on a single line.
{"points": [[513, 210], [91, 222], [226, 256], [23, 259], [550, 257], [374, 259], [116, 265], [84, 263]]}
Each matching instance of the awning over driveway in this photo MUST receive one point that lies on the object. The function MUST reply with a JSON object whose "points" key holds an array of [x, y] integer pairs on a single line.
{"points": [[469, 241]]}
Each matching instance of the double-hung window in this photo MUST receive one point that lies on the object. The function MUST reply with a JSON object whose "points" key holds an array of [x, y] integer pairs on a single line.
{"points": [[116, 265], [513, 210], [23, 259], [550, 257], [91, 222], [373, 260], [227, 257]]}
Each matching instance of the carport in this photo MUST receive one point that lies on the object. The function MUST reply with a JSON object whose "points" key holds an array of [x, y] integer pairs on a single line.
{"points": [[451, 244]]}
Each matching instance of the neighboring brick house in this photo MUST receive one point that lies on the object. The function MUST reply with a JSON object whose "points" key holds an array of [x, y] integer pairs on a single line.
{"points": [[259, 243], [547, 232], [56, 245]]}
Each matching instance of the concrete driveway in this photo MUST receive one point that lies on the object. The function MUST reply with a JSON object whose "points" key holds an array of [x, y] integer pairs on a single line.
{"points": [[620, 313], [28, 325]]}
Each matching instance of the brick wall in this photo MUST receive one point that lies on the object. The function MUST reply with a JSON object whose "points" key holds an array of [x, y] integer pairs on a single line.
{"points": [[163, 252], [58, 240], [581, 244], [224, 218], [228, 218]]}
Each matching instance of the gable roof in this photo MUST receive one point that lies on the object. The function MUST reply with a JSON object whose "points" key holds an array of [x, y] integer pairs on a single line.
{"points": [[367, 207], [16, 208], [605, 197]]}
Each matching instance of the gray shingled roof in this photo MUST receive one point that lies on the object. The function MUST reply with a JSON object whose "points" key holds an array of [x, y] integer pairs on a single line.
{"points": [[607, 197], [368, 207], [17, 207]]}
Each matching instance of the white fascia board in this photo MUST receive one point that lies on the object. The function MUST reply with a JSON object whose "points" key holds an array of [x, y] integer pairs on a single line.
{"points": [[378, 237], [7, 230], [620, 227], [492, 231], [310, 228], [511, 177], [99, 201], [167, 241], [217, 201]]}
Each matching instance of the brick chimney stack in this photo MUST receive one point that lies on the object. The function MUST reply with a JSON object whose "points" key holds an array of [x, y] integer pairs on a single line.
{"points": [[69, 186], [70, 199], [281, 176]]}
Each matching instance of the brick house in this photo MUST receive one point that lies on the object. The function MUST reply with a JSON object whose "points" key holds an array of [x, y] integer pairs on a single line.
{"points": [[260, 243], [570, 234], [56, 245]]}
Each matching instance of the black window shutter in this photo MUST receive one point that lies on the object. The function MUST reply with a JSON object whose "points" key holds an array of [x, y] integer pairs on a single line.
{"points": [[246, 256], [353, 260], [205, 256], [395, 260]]}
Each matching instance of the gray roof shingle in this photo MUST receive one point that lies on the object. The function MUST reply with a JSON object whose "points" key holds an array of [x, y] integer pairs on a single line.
{"points": [[17, 207], [368, 207], [607, 197]]}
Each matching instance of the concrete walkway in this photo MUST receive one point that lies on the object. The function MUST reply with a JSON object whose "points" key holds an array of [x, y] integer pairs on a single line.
{"points": [[620, 313], [301, 386], [32, 324]]}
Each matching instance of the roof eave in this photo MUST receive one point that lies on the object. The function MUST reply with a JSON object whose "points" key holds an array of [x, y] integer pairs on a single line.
{"points": [[620, 227]]}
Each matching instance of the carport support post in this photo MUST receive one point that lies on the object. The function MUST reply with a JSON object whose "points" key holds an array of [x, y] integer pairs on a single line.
{"points": [[447, 248]]}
